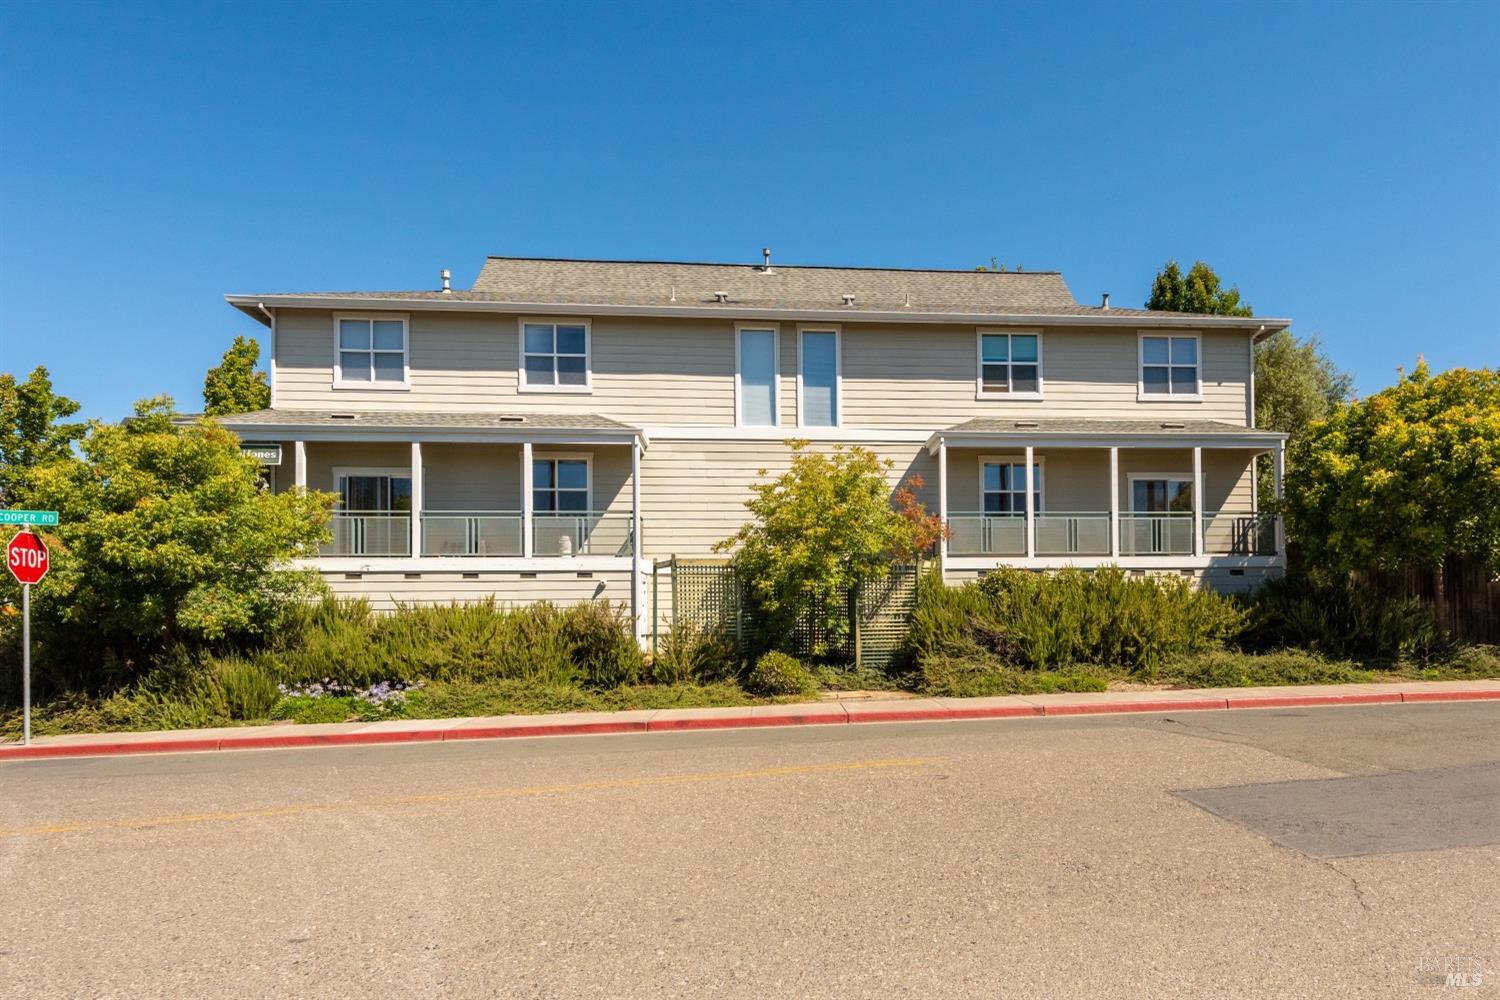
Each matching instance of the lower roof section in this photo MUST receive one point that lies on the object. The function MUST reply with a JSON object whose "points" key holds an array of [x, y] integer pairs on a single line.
{"points": [[406, 425], [1068, 433]]}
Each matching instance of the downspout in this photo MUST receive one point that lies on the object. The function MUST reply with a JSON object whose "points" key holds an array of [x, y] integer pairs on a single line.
{"points": [[270, 361]]}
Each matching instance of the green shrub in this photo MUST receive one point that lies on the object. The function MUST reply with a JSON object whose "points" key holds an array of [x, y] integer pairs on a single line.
{"points": [[776, 673], [602, 644], [988, 676], [687, 654], [1342, 621], [1040, 621], [310, 710], [249, 689], [1225, 668]]}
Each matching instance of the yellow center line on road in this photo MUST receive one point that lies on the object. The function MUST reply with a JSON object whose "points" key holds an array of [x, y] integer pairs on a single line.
{"points": [[478, 795]]}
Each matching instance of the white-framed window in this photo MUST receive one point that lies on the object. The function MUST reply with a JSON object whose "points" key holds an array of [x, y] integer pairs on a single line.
{"points": [[1171, 366], [1010, 364], [370, 351], [819, 369], [1160, 492], [1002, 485], [373, 491], [757, 370], [556, 355], [562, 483]]}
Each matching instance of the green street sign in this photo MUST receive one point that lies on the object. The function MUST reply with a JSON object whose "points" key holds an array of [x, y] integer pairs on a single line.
{"points": [[45, 518]]}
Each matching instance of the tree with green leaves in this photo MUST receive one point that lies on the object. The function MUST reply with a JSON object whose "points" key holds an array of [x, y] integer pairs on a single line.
{"points": [[33, 430], [234, 385], [166, 535], [1199, 291], [1403, 478], [819, 530]]}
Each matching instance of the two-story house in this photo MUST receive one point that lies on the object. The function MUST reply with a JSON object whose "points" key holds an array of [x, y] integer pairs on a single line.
{"points": [[554, 429]]}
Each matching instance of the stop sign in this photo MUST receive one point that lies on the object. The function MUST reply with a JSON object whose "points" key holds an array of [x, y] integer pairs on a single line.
{"points": [[27, 557]]}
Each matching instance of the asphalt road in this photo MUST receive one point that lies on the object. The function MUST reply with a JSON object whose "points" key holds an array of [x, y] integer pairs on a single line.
{"points": [[1320, 852]]}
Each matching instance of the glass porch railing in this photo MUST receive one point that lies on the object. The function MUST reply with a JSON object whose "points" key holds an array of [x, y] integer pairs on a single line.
{"points": [[581, 533], [368, 533], [471, 533], [1072, 533], [1164, 533], [1239, 533], [981, 534]]}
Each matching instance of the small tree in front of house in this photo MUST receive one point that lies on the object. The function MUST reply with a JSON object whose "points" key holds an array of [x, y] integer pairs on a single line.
{"points": [[817, 532]]}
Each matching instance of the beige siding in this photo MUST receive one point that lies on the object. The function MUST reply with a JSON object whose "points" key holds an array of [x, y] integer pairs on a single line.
{"points": [[385, 591], [670, 371], [693, 493], [892, 373]]}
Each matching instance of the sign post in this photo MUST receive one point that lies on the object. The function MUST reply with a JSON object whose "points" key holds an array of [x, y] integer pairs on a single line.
{"points": [[28, 560]]}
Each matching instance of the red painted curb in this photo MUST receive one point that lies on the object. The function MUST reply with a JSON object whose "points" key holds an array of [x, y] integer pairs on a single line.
{"points": [[560, 729], [1296, 701], [298, 741], [1449, 695], [1108, 708]]}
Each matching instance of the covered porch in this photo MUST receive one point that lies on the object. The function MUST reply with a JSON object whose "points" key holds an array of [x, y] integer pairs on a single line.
{"points": [[482, 496], [1140, 494]]}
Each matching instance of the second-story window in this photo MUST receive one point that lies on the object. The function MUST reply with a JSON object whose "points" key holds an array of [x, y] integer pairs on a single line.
{"points": [[1010, 364], [371, 351], [555, 356], [818, 379], [756, 376], [1170, 367]]}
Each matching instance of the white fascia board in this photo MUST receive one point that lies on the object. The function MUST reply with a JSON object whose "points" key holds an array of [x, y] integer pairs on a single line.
{"points": [[466, 564], [1254, 439], [477, 435], [731, 311], [834, 435]]}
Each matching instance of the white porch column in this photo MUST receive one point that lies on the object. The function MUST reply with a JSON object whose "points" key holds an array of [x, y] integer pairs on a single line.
{"points": [[943, 501], [527, 541], [1280, 475], [1197, 501], [1030, 501], [1114, 502], [417, 490], [637, 599], [299, 464]]}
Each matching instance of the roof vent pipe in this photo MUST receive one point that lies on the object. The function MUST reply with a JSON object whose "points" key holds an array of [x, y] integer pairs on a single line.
{"points": [[447, 277], [765, 253], [1105, 305]]}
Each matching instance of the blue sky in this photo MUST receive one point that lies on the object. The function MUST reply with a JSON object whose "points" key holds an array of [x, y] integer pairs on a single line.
{"points": [[1341, 163]]}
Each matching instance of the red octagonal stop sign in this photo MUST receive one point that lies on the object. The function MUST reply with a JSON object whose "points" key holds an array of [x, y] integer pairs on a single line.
{"points": [[27, 557]]}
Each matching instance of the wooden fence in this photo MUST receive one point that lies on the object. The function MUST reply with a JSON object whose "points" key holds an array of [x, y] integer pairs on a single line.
{"points": [[1463, 595], [706, 594]]}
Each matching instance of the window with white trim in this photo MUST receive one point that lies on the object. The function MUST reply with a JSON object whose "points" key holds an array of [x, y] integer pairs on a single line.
{"points": [[757, 376], [818, 380], [1010, 364], [1167, 494], [371, 351], [560, 485], [555, 355], [1003, 490], [1170, 366]]}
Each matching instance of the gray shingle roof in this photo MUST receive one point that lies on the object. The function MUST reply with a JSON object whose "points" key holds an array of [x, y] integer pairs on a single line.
{"points": [[1024, 426], [418, 419]]}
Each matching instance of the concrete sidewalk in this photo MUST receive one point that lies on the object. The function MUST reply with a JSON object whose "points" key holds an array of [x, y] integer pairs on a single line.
{"points": [[811, 713]]}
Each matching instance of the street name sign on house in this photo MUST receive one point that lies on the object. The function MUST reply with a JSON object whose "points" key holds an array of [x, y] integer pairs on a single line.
{"points": [[44, 518]]}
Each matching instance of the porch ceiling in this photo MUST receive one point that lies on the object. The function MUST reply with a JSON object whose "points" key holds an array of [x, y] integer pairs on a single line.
{"points": [[407, 425], [1068, 433]]}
